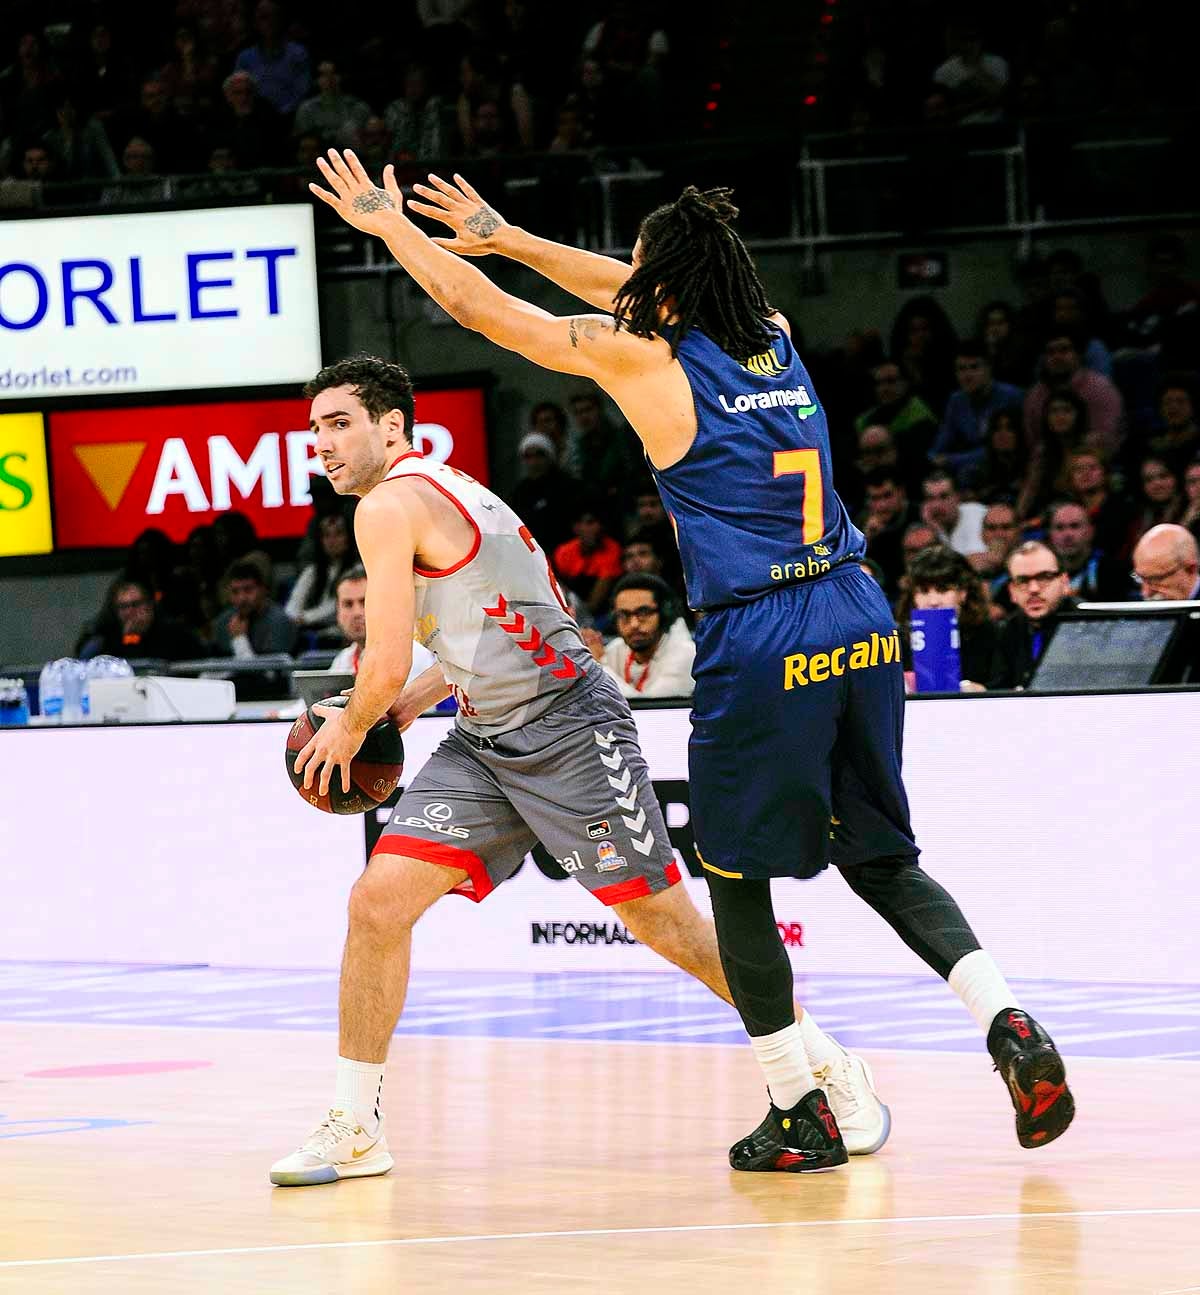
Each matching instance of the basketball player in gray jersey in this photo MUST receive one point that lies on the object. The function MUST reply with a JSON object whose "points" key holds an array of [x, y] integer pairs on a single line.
{"points": [[544, 748]]}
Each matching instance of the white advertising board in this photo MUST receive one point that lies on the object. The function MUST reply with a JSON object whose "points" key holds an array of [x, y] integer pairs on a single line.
{"points": [[157, 301], [1063, 825]]}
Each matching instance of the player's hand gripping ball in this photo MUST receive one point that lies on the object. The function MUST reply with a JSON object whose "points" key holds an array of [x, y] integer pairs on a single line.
{"points": [[375, 771]]}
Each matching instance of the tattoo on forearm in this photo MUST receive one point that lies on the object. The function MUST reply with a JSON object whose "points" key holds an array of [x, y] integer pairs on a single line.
{"points": [[484, 222], [375, 200], [590, 328]]}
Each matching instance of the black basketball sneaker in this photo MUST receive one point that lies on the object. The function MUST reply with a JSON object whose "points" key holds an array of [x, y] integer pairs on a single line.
{"points": [[1031, 1066], [804, 1140]]}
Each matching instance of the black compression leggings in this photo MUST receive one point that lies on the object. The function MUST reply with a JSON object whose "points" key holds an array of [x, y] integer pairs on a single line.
{"points": [[922, 913], [755, 962]]}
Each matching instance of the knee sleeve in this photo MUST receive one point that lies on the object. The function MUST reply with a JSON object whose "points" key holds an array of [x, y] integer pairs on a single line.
{"points": [[921, 912], [756, 964]]}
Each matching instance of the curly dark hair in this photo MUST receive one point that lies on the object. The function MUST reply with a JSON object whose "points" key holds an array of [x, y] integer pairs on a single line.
{"points": [[692, 258], [941, 567], [380, 385]]}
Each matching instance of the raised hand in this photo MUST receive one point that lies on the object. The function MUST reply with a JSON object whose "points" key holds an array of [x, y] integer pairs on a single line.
{"points": [[476, 226], [354, 197]]}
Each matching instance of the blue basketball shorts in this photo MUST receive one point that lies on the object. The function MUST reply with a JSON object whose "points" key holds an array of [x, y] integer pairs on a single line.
{"points": [[797, 729]]}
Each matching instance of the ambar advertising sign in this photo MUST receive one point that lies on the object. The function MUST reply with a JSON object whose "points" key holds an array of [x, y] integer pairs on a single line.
{"points": [[161, 301], [175, 467], [24, 490]]}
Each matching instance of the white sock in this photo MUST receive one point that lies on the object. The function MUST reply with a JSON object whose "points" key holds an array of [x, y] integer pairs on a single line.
{"points": [[976, 979], [358, 1089], [784, 1065], [821, 1049]]}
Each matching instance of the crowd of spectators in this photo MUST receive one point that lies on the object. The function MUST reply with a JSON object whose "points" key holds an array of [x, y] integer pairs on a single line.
{"points": [[133, 95]]}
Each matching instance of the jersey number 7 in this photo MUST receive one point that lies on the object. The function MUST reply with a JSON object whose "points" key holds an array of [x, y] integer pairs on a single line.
{"points": [[808, 464]]}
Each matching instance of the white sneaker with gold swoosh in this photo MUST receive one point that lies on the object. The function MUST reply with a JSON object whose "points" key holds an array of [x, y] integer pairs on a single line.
{"points": [[339, 1148]]}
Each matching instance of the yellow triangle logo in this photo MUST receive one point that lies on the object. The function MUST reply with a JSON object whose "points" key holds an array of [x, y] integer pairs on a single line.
{"points": [[110, 466]]}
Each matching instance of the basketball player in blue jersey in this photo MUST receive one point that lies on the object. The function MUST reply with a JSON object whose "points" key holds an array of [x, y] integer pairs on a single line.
{"points": [[795, 754]]}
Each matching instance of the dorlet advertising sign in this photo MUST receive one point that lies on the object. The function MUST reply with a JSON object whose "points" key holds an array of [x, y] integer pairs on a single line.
{"points": [[158, 301]]}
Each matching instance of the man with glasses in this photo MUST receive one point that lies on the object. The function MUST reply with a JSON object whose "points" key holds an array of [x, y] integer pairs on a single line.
{"points": [[653, 655], [140, 632], [911, 422], [1166, 564], [1040, 591]]}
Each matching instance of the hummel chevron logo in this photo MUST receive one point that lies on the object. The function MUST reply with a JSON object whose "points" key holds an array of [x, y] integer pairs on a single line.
{"points": [[621, 783], [627, 802], [635, 824], [514, 623], [604, 739], [611, 761], [645, 845]]}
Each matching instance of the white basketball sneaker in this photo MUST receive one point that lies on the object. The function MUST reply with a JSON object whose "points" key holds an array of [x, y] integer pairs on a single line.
{"points": [[863, 1119], [338, 1148]]}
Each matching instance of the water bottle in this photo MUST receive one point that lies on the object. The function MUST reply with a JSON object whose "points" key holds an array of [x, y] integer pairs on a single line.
{"points": [[74, 676], [14, 702], [50, 692], [102, 667]]}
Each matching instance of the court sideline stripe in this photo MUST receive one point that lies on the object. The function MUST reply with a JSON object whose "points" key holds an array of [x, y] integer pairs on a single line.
{"points": [[599, 1232]]}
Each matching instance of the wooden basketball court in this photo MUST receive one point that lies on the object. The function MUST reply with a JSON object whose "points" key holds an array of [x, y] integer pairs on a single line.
{"points": [[549, 1166]]}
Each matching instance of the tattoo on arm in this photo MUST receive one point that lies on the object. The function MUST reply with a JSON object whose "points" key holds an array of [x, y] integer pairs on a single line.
{"points": [[590, 328], [375, 200], [484, 222]]}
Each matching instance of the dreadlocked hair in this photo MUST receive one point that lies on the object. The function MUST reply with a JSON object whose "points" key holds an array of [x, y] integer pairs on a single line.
{"points": [[692, 259]]}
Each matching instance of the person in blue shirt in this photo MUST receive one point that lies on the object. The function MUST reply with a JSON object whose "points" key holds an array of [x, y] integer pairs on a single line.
{"points": [[795, 755], [961, 442]]}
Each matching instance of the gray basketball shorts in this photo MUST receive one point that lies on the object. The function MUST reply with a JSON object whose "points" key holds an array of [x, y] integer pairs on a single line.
{"points": [[574, 779]]}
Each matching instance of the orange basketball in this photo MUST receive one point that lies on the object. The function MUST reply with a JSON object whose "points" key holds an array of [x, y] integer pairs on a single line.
{"points": [[374, 772]]}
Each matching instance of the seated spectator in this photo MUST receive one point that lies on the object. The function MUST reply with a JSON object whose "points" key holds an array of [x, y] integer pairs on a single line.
{"points": [[1062, 370], [254, 625], [37, 166], [650, 517], [961, 442], [416, 120], [1088, 483], [375, 148], [1179, 438], [335, 118], [653, 655], [939, 577], [1069, 309], [1166, 565], [877, 449], [312, 604], [247, 124], [606, 456], [1005, 458], [1063, 430], [508, 112], [546, 498], [140, 631], [549, 419], [222, 181], [974, 81], [156, 121], [1191, 490], [279, 66], [1162, 328], [887, 516], [917, 536], [192, 76], [1041, 593], [590, 563], [1161, 499], [639, 556], [908, 418], [140, 182], [1006, 350], [106, 80], [80, 151], [351, 595], [1093, 575], [1001, 531], [958, 524], [922, 343], [199, 576]]}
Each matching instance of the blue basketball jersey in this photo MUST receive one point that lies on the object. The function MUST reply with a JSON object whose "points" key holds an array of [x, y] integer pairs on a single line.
{"points": [[752, 502]]}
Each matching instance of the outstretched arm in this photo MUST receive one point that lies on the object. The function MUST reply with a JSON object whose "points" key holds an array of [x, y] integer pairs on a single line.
{"points": [[480, 230], [587, 345]]}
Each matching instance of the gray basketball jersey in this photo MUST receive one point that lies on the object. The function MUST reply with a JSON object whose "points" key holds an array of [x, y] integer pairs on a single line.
{"points": [[496, 621]]}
